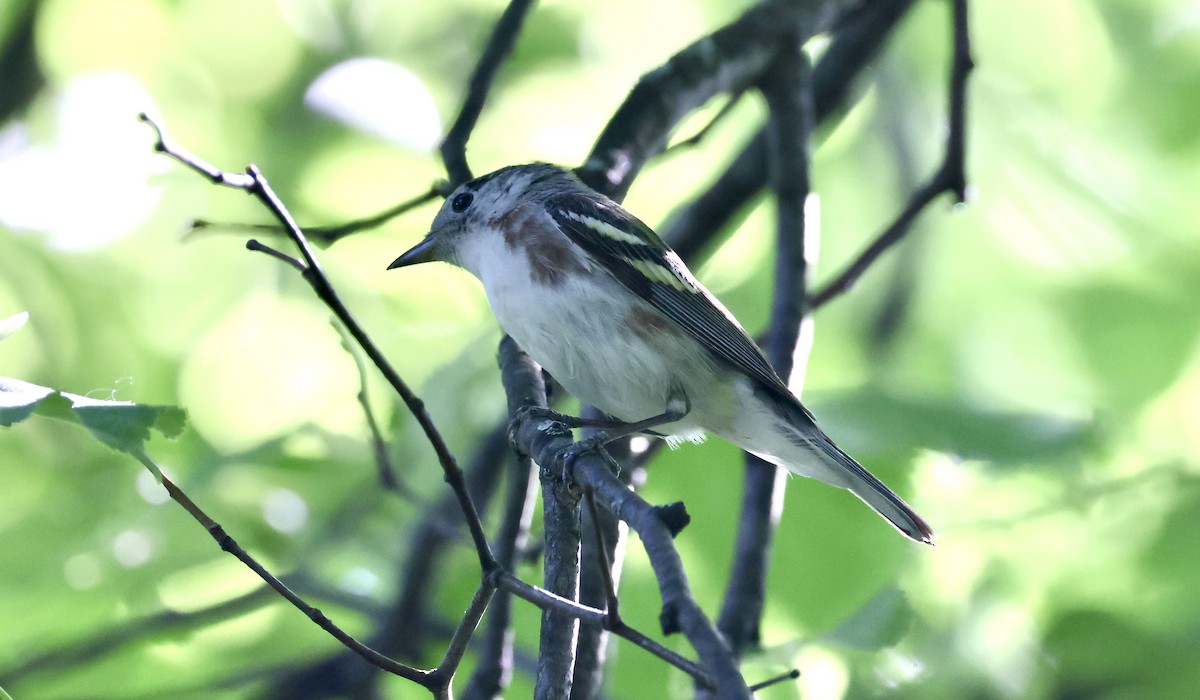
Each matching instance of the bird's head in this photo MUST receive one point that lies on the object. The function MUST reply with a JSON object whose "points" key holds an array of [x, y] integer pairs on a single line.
{"points": [[479, 208]]}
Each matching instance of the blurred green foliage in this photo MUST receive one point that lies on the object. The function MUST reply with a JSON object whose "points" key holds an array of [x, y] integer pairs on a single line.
{"points": [[1038, 401]]}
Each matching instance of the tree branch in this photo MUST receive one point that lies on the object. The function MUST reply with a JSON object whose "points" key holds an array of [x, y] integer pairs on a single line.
{"points": [[559, 632], [692, 228], [500, 44], [600, 572], [788, 92], [228, 544], [726, 60], [327, 235], [549, 447], [950, 176], [493, 671], [253, 183]]}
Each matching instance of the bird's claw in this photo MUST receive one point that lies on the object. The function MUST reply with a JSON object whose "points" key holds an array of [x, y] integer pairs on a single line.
{"points": [[595, 444], [548, 421]]}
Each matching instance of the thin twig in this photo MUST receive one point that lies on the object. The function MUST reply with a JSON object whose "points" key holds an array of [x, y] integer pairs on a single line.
{"points": [[228, 544], [404, 626], [500, 44], [493, 670], [774, 680], [612, 603], [607, 548], [950, 176], [457, 648], [379, 446], [407, 624], [587, 615], [253, 183], [259, 247], [327, 235]]}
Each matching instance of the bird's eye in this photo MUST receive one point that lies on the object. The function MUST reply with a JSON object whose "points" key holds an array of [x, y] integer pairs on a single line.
{"points": [[460, 202]]}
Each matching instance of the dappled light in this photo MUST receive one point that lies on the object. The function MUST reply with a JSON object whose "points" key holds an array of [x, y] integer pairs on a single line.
{"points": [[1023, 368]]}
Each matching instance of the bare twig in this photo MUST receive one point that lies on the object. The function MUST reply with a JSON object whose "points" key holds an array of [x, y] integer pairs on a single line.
{"points": [[408, 624], [228, 544], [253, 183], [379, 446], [331, 234], [950, 176], [789, 676], [500, 44], [259, 247], [612, 604], [463, 632], [493, 670], [404, 625]]}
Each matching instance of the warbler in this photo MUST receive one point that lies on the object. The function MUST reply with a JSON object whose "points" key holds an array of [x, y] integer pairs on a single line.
{"points": [[597, 298]]}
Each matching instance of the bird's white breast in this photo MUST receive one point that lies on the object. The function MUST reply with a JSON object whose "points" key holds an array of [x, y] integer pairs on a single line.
{"points": [[579, 328]]}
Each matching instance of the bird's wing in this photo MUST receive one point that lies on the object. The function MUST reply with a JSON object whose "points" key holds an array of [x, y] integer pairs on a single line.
{"points": [[639, 259]]}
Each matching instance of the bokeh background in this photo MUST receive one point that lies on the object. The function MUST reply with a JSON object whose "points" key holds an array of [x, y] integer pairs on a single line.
{"points": [[1025, 369]]}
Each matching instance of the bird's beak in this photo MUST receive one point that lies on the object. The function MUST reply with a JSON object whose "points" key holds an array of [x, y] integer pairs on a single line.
{"points": [[428, 250]]}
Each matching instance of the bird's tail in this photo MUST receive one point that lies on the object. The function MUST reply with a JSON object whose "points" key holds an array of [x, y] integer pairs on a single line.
{"points": [[875, 493], [819, 458]]}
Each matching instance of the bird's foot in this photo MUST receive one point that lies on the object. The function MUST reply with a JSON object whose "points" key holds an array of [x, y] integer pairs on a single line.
{"points": [[546, 420], [595, 444]]}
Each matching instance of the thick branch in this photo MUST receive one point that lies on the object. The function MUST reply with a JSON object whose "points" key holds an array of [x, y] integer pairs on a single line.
{"points": [[602, 552], [559, 632], [691, 229], [727, 60], [788, 93], [680, 610]]}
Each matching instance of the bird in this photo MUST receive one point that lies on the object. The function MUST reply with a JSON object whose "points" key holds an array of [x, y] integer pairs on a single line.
{"points": [[596, 298]]}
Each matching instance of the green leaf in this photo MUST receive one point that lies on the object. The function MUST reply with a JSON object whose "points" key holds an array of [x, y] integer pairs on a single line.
{"points": [[4, 695], [126, 425], [880, 623], [11, 325], [122, 425], [18, 399]]}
